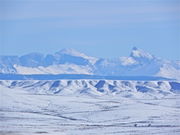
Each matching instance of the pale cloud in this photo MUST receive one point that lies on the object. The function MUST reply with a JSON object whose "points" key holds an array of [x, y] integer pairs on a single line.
{"points": [[89, 13]]}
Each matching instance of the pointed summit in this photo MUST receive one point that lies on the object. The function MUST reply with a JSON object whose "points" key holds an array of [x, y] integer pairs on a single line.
{"points": [[134, 48], [138, 53]]}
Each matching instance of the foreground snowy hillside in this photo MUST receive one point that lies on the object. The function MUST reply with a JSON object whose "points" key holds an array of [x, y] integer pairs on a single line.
{"points": [[130, 89], [130, 110], [69, 61]]}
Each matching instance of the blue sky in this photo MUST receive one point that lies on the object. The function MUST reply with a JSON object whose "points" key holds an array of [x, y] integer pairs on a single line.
{"points": [[101, 28]]}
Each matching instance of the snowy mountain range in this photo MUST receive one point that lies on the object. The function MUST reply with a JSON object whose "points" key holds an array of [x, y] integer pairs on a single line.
{"points": [[69, 61]]}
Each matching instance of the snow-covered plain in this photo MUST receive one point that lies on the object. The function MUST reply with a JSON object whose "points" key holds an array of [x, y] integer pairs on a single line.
{"points": [[84, 107]]}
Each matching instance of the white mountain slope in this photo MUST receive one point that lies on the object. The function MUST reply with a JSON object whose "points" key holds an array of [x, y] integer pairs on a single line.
{"points": [[54, 69], [69, 61], [75, 53]]}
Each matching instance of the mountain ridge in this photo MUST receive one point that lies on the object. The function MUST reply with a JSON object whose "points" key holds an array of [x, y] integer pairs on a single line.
{"points": [[124, 88], [70, 61]]}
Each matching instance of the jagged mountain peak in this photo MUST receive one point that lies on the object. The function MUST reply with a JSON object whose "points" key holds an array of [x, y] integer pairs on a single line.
{"points": [[134, 48], [139, 53]]}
